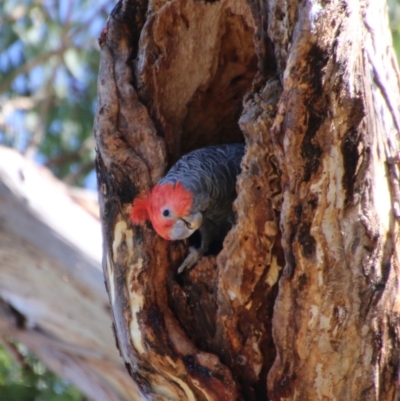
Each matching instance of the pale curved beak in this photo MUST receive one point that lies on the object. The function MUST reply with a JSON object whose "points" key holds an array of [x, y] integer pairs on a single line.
{"points": [[186, 226]]}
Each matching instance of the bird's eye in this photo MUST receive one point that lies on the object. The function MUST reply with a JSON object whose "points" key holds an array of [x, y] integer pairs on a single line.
{"points": [[166, 212]]}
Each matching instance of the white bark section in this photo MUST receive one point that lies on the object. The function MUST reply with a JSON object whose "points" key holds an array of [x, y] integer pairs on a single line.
{"points": [[50, 272]]}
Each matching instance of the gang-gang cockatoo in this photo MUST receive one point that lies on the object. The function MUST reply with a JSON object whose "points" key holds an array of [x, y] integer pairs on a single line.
{"points": [[196, 194]]}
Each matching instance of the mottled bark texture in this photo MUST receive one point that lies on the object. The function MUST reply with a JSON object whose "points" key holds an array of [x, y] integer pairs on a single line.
{"points": [[301, 302]]}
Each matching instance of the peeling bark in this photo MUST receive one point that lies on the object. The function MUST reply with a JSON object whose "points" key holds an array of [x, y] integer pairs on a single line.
{"points": [[301, 302]]}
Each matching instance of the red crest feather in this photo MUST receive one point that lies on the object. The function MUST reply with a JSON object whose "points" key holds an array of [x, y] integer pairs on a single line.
{"points": [[149, 206], [140, 209], [173, 195]]}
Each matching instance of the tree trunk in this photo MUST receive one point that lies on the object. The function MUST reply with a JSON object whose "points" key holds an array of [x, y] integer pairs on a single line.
{"points": [[301, 302], [52, 295]]}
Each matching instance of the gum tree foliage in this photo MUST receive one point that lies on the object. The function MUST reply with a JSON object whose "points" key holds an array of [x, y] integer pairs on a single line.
{"points": [[48, 67], [30, 380], [394, 15]]}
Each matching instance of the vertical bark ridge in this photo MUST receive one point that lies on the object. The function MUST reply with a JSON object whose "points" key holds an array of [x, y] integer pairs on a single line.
{"points": [[336, 219]]}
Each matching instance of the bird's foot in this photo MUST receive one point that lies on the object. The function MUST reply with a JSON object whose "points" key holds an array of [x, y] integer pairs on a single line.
{"points": [[191, 259]]}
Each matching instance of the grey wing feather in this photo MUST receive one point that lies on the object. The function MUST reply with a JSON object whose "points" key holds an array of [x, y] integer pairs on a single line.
{"points": [[210, 173]]}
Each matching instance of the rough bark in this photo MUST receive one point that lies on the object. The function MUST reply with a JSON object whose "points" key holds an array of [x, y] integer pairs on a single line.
{"points": [[314, 94], [52, 295], [338, 295]]}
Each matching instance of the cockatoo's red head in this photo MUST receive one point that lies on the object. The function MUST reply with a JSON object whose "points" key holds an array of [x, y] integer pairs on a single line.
{"points": [[168, 207]]}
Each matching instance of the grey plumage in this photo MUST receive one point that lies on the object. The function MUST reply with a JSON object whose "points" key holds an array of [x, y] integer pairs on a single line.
{"points": [[210, 174]]}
